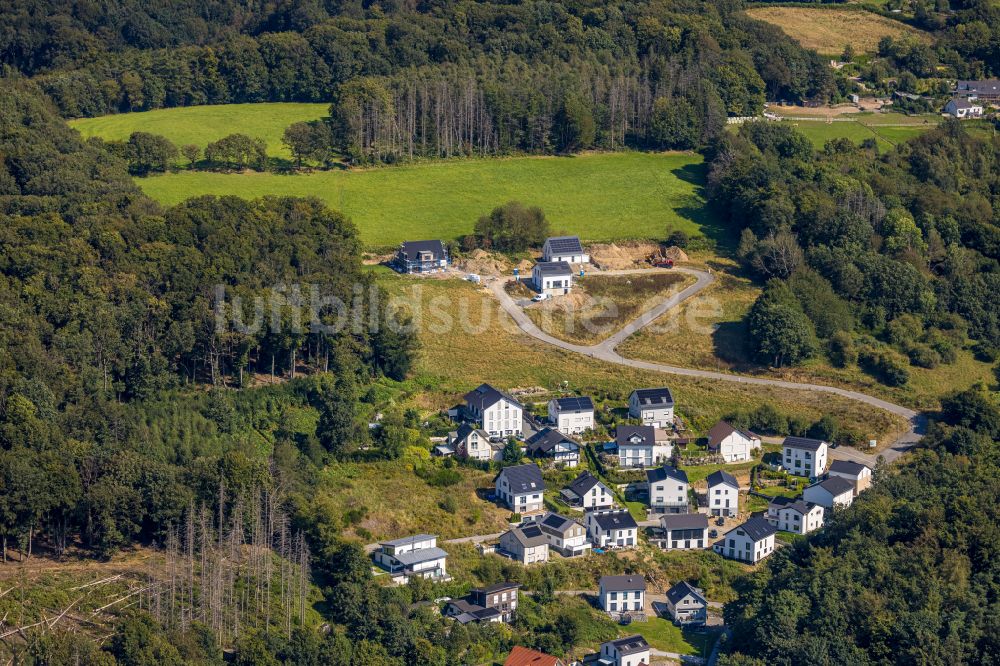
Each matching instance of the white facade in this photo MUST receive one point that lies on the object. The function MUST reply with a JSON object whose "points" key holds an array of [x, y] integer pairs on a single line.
{"points": [[622, 594], [750, 542], [859, 475], [799, 518], [963, 109], [612, 528], [830, 493], [684, 531], [412, 556], [803, 457], [520, 493], [632, 651], [592, 493], [644, 455], [502, 418], [668, 492], [475, 444], [564, 535], [570, 421], [723, 499], [656, 414], [553, 278], [732, 444], [564, 248], [524, 551]]}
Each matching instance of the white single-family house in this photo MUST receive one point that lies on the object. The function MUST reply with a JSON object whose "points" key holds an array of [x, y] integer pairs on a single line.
{"points": [[494, 411], [733, 444], [521, 488], [723, 494], [412, 556], [572, 416], [858, 474], [684, 531], [963, 108], [621, 594], [552, 444], [797, 516], [803, 456], [474, 443], [525, 543], [668, 489], [642, 446], [628, 651], [611, 528], [588, 492], [653, 406], [750, 542], [687, 604], [831, 492], [554, 278], [565, 535], [564, 248]]}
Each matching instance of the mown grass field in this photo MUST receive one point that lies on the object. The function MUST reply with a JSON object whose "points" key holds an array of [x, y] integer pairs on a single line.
{"points": [[601, 196], [828, 31], [886, 133], [201, 125]]}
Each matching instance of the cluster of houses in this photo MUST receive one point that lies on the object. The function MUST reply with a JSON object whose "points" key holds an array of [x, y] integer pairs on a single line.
{"points": [[627, 651], [972, 97]]}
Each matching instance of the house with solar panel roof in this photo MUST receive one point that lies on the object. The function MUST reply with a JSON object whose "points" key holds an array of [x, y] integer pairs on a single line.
{"points": [[564, 248], [572, 415]]}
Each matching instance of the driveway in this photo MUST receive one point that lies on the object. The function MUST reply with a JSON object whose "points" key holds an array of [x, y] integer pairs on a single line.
{"points": [[607, 350]]}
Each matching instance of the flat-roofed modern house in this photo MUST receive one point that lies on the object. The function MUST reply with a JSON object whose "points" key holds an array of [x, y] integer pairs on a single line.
{"points": [[565, 535], [428, 256], [750, 542], [564, 248], [521, 488], [628, 651], [494, 603], [554, 278], [416, 555], [525, 543], [858, 474], [572, 415], [621, 594], [611, 528], [831, 492], [733, 444], [803, 456], [684, 531], [653, 406], [723, 494], [796, 516], [494, 411], [588, 492], [668, 489], [551, 444], [687, 604], [642, 445]]}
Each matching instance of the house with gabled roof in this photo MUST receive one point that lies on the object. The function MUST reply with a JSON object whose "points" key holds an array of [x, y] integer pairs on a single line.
{"points": [[858, 474], [641, 446], [750, 542], [551, 444], [622, 594], [653, 406], [668, 489], [588, 492], [830, 492], [525, 543], [554, 278], [733, 444], [474, 443], [803, 456], [611, 528], [572, 415], [797, 516], [522, 656], [628, 651], [427, 256], [566, 536], [963, 108], [564, 248], [494, 411], [521, 488], [683, 531], [723, 494], [687, 604]]}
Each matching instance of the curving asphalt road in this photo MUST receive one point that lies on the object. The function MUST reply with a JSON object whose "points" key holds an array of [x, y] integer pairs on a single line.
{"points": [[607, 350]]}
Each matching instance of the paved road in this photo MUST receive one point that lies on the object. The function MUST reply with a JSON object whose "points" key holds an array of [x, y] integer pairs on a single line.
{"points": [[606, 350]]}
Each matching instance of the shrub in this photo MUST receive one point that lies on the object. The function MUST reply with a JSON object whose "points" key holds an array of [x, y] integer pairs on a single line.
{"points": [[841, 350]]}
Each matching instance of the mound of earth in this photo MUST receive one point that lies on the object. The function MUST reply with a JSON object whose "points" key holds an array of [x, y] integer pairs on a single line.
{"points": [[614, 256], [676, 254], [482, 262]]}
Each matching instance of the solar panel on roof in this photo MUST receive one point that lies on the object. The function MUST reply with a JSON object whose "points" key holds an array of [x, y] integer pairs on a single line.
{"points": [[531, 531], [565, 245]]}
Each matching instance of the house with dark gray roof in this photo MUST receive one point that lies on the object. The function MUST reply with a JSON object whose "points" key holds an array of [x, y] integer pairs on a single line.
{"points": [[683, 531], [564, 248], [611, 528], [733, 444], [831, 492], [668, 489], [622, 594], [551, 444], [554, 278], [653, 406], [565, 535], [642, 445], [803, 456], [474, 443], [521, 488], [858, 474], [416, 555], [750, 542], [985, 90], [796, 516], [428, 256], [493, 603], [525, 543], [494, 411], [687, 604], [963, 108], [723, 494], [588, 492], [628, 651], [572, 415]]}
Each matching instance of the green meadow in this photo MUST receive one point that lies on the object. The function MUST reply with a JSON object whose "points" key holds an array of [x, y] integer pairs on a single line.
{"points": [[201, 125], [598, 196]]}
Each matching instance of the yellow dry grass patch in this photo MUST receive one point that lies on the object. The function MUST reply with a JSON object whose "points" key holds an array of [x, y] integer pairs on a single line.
{"points": [[828, 31]]}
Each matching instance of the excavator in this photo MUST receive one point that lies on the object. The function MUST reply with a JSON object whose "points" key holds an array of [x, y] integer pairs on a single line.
{"points": [[659, 259]]}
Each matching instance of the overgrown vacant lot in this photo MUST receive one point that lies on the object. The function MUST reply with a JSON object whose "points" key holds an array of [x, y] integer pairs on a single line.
{"points": [[606, 196], [467, 339], [828, 31], [601, 304], [202, 124]]}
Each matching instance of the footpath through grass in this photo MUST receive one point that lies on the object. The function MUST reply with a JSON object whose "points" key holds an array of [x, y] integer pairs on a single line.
{"points": [[600, 196], [201, 125]]}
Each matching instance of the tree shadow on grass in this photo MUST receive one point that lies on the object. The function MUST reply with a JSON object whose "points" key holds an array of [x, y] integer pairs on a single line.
{"points": [[729, 344], [698, 211]]}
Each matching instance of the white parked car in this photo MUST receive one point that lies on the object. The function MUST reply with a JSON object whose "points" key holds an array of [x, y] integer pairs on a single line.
{"points": [[541, 297]]}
